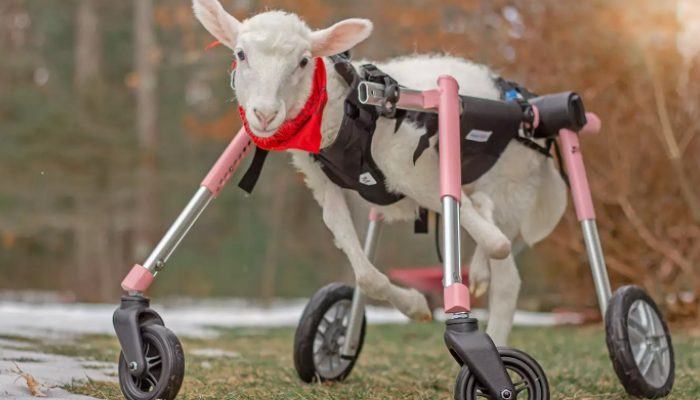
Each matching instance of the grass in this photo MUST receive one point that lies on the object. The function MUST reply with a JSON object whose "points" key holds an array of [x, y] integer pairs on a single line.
{"points": [[397, 362]]}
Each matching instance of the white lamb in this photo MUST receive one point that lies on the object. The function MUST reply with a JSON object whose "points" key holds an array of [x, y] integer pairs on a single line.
{"points": [[523, 193]]}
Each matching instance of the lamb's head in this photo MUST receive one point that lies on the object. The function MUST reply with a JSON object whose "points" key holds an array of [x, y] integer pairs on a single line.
{"points": [[274, 53]]}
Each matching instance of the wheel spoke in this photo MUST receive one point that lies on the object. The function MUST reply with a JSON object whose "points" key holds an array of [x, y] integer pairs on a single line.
{"points": [[318, 359], [338, 311], [152, 362], [639, 310], [633, 326], [659, 364], [645, 362], [322, 328], [641, 353], [521, 386], [328, 360], [152, 381], [331, 359], [649, 313]]}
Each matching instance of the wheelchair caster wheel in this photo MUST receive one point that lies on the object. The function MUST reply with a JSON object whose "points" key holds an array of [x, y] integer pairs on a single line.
{"points": [[321, 333], [527, 376], [165, 367], [639, 344]]}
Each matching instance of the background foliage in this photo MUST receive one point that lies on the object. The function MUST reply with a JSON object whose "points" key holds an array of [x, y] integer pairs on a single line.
{"points": [[108, 121]]}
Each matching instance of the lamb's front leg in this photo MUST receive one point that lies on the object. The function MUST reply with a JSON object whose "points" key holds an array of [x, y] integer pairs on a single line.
{"points": [[336, 215]]}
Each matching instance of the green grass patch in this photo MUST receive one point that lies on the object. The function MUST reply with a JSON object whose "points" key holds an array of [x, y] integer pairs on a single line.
{"points": [[398, 362]]}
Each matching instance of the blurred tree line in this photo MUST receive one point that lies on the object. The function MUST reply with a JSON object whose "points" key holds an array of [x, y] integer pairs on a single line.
{"points": [[111, 112]]}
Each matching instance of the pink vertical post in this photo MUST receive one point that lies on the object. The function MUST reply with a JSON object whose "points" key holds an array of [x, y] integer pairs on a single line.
{"points": [[449, 146], [455, 293], [580, 190]]}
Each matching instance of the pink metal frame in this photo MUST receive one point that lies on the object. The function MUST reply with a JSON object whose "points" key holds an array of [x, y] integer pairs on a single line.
{"points": [[140, 278], [449, 141], [444, 99], [455, 295], [227, 163], [571, 152]]}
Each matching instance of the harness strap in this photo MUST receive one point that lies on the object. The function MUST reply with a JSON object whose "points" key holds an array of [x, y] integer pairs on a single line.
{"points": [[420, 225], [250, 178], [560, 163], [341, 63], [531, 144]]}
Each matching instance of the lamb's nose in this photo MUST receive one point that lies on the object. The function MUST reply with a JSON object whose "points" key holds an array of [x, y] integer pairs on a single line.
{"points": [[265, 117]]}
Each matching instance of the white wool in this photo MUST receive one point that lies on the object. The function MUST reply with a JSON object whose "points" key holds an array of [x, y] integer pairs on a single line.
{"points": [[521, 196]]}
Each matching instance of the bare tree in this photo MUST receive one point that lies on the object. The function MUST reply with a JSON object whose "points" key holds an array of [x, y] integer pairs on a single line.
{"points": [[90, 226], [146, 122], [87, 47]]}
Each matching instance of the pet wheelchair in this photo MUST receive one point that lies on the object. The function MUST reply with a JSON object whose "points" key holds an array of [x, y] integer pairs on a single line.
{"points": [[330, 335]]}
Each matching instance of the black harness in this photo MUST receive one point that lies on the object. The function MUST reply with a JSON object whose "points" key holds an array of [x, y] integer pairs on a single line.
{"points": [[348, 162]]}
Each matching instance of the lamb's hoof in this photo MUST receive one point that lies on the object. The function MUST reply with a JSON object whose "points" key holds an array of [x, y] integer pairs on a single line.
{"points": [[479, 278], [478, 288], [417, 308]]}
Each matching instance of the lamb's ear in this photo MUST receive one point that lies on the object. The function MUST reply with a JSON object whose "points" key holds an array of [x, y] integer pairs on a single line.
{"points": [[340, 37], [217, 21]]}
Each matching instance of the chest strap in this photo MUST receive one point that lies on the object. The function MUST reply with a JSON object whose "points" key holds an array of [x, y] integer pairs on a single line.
{"points": [[250, 178]]}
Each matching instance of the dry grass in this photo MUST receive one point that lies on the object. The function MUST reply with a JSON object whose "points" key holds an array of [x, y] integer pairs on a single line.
{"points": [[398, 362]]}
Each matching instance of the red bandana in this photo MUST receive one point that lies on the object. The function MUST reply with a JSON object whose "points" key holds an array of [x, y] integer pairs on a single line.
{"points": [[304, 131]]}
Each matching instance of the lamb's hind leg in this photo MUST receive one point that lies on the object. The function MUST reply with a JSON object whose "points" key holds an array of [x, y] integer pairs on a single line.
{"points": [[479, 268], [480, 225], [373, 283], [503, 298], [484, 232]]}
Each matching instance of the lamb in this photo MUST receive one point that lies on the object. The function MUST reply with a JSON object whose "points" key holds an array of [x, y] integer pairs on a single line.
{"points": [[521, 196]]}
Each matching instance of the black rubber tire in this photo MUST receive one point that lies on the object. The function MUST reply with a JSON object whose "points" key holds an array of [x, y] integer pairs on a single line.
{"points": [[168, 374], [619, 348], [514, 360], [317, 306]]}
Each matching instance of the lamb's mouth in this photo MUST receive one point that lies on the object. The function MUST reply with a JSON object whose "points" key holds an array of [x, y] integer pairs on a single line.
{"points": [[265, 133]]}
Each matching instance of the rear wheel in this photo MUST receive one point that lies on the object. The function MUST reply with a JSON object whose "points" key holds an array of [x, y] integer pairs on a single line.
{"points": [[321, 334], [639, 344]]}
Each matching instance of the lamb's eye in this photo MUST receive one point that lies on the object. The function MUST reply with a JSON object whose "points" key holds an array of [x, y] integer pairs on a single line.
{"points": [[303, 62], [241, 55]]}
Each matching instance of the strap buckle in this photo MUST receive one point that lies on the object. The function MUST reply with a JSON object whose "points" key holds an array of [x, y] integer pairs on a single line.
{"points": [[387, 108]]}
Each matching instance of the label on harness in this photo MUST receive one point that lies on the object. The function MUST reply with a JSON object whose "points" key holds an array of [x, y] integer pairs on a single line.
{"points": [[367, 179], [477, 135]]}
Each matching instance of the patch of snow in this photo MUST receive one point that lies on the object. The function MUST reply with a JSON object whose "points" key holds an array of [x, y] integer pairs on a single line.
{"points": [[50, 370], [214, 353], [191, 319], [198, 318]]}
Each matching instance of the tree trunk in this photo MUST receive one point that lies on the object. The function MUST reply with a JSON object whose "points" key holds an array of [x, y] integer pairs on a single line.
{"points": [[146, 121], [271, 261], [87, 48], [90, 229]]}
